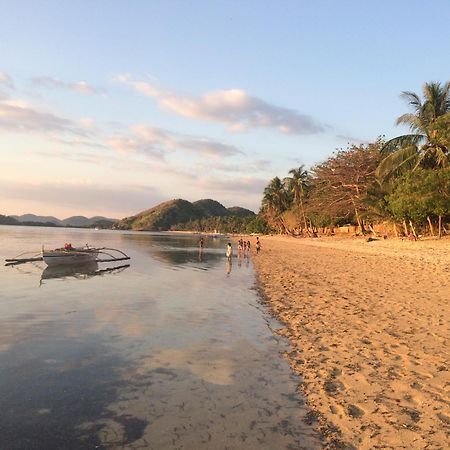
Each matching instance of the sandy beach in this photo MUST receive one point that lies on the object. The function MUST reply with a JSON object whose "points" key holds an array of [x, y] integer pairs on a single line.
{"points": [[369, 328]]}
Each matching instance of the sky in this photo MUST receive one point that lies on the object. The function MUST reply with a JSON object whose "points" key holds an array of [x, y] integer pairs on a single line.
{"points": [[111, 107]]}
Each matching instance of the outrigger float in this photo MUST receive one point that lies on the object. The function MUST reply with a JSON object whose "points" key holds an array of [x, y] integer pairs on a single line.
{"points": [[69, 255]]}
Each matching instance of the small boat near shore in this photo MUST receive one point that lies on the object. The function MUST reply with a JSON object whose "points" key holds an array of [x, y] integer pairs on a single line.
{"points": [[69, 255]]}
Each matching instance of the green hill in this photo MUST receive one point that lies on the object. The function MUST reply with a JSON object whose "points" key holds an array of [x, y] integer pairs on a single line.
{"points": [[210, 208], [238, 211], [168, 215]]}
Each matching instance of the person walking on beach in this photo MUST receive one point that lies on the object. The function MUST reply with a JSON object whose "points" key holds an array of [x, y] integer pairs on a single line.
{"points": [[201, 244], [248, 247], [257, 245]]}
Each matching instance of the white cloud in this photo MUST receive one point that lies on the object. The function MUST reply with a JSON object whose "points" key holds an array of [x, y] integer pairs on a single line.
{"points": [[19, 117], [247, 166], [243, 185], [81, 87], [234, 107], [157, 142], [87, 122]]}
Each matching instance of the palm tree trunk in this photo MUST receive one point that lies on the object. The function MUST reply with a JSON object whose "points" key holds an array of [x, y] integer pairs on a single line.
{"points": [[303, 214], [360, 222], [431, 226], [405, 227], [440, 227], [395, 230], [413, 229]]}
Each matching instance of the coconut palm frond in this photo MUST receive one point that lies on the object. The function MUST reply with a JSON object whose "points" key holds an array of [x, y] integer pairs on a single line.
{"points": [[401, 142], [414, 123], [437, 98], [397, 163], [413, 99]]}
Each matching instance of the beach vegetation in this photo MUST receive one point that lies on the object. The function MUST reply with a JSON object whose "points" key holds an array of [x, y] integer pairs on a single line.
{"points": [[277, 199], [428, 143], [422, 197], [403, 181]]}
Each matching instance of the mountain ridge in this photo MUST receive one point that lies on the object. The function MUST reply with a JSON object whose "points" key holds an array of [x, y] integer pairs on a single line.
{"points": [[167, 215], [73, 221]]}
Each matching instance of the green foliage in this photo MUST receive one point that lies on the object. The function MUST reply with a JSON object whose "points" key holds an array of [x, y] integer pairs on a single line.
{"points": [[420, 194], [224, 224], [428, 145], [257, 225]]}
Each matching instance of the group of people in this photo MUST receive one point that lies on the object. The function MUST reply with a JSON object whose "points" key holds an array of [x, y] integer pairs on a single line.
{"points": [[243, 248]]}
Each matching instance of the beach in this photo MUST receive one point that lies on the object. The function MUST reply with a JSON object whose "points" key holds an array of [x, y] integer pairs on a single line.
{"points": [[368, 324]]}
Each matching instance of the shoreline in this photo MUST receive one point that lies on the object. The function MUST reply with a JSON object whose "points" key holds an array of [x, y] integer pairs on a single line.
{"points": [[368, 328]]}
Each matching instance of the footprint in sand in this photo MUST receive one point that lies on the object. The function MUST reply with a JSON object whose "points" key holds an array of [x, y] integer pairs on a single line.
{"points": [[355, 411]]}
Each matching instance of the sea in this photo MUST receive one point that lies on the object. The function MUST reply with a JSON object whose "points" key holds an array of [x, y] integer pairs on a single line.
{"points": [[172, 349]]}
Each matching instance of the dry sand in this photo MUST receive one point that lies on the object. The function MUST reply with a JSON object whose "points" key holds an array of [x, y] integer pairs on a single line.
{"points": [[369, 328]]}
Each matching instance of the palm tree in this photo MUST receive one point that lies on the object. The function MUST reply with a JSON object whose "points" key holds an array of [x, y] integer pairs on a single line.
{"points": [[425, 145], [275, 201], [297, 184]]}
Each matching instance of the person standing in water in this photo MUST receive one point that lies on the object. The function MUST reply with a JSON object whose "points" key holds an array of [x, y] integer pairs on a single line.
{"points": [[229, 250]]}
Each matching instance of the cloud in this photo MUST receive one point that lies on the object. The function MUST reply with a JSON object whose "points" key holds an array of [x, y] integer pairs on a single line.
{"points": [[157, 142], [18, 116], [248, 166], [81, 87], [82, 196], [234, 107], [243, 185], [6, 81]]}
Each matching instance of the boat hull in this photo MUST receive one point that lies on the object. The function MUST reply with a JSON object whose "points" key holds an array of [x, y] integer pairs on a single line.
{"points": [[58, 258]]}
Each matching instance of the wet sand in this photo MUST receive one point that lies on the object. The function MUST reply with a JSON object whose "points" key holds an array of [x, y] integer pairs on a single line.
{"points": [[369, 327]]}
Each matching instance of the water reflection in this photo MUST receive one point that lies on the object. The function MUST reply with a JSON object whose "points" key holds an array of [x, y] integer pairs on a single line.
{"points": [[80, 272], [150, 359], [229, 266], [182, 250]]}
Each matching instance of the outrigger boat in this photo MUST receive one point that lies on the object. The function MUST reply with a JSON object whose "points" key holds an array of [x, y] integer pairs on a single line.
{"points": [[69, 255]]}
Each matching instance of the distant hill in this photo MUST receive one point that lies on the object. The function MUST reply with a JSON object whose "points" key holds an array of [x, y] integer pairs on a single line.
{"points": [[8, 220], [210, 208], [167, 215], [34, 218], [74, 221], [240, 212]]}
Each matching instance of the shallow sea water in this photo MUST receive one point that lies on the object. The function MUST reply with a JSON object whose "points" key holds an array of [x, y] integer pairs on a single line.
{"points": [[173, 352]]}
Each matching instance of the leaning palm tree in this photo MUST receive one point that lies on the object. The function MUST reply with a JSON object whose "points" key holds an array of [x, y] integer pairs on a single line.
{"points": [[426, 145], [275, 201], [297, 184]]}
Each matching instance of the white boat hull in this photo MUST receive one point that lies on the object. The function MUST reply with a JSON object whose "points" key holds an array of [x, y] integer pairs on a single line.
{"points": [[57, 258]]}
